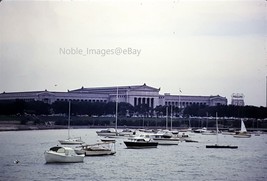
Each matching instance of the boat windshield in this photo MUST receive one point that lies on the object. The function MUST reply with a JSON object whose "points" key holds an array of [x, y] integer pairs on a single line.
{"points": [[58, 149]]}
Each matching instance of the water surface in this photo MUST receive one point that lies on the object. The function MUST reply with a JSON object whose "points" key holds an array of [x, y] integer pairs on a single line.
{"points": [[187, 161]]}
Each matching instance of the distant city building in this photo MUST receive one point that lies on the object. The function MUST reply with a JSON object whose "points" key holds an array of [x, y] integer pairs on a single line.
{"points": [[134, 95], [238, 99]]}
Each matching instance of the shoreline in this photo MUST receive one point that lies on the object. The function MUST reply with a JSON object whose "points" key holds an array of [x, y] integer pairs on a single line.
{"points": [[19, 127]]}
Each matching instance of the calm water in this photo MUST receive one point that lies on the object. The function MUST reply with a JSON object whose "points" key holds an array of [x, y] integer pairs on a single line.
{"points": [[187, 161]]}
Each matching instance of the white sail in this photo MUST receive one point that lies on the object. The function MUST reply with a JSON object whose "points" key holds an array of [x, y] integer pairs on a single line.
{"points": [[243, 127]]}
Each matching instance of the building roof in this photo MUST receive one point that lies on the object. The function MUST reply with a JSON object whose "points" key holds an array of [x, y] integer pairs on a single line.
{"points": [[113, 90]]}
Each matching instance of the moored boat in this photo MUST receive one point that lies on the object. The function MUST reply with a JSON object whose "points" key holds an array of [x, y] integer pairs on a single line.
{"points": [[140, 142], [162, 139], [107, 132], [98, 149], [243, 132], [126, 132], [59, 154], [217, 145], [202, 130], [71, 141], [222, 146], [241, 135]]}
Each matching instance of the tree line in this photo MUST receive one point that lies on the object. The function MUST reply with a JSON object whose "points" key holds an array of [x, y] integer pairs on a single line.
{"points": [[21, 107]]}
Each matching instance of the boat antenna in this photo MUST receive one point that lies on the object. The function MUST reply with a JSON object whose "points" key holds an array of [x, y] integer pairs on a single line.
{"points": [[171, 117], [166, 117], [116, 121], [217, 130], [69, 121]]}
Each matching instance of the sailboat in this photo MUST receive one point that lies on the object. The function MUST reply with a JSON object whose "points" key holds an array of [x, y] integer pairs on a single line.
{"points": [[69, 140], [217, 145], [243, 132]]}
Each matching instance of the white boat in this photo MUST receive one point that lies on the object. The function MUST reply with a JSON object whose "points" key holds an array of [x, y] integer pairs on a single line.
{"points": [[108, 139], [243, 132], [98, 149], [69, 140], [59, 154], [126, 132], [163, 140], [202, 130], [208, 132], [107, 132], [258, 133]]}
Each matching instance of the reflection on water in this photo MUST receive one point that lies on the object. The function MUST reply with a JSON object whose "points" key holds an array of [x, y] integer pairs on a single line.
{"points": [[187, 161]]}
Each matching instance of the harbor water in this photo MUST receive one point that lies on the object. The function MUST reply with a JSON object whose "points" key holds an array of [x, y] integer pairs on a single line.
{"points": [[187, 161]]}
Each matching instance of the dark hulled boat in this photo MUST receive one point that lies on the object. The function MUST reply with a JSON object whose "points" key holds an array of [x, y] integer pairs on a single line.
{"points": [[140, 143], [222, 146], [217, 145]]}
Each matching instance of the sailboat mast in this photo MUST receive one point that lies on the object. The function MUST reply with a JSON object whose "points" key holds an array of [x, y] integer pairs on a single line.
{"points": [[116, 121], [166, 117], [69, 121], [217, 130], [171, 117]]}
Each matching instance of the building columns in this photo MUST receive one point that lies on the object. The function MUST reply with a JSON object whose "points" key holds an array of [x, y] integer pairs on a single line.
{"points": [[144, 100]]}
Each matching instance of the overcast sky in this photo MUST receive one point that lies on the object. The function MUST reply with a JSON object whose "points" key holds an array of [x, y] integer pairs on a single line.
{"points": [[200, 47]]}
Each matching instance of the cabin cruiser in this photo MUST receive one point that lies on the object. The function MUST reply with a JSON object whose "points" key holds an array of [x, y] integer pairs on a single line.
{"points": [[98, 149], [140, 142], [59, 154], [107, 132], [164, 139], [126, 132]]}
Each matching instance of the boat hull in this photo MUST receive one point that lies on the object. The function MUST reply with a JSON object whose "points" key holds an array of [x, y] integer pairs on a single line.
{"points": [[53, 157], [71, 142], [125, 133], [222, 146], [99, 133], [140, 145], [242, 136], [167, 141], [99, 153]]}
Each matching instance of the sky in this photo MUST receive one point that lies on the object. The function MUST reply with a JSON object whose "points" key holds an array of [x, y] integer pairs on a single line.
{"points": [[199, 47]]}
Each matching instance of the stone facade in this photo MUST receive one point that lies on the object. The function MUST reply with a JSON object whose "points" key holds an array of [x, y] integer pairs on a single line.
{"points": [[135, 95]]}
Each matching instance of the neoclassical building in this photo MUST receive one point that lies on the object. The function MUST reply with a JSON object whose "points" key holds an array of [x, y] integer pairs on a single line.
{"points": [[135, 95]]}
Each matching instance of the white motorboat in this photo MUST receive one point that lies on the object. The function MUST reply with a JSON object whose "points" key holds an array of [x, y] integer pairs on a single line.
{"points": [[208, 132], [202, 130], [126, 132], [98, 149], [107, 132], [59, 154], [164, 139], [69, 140], [167, 141], [243, 132]]}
